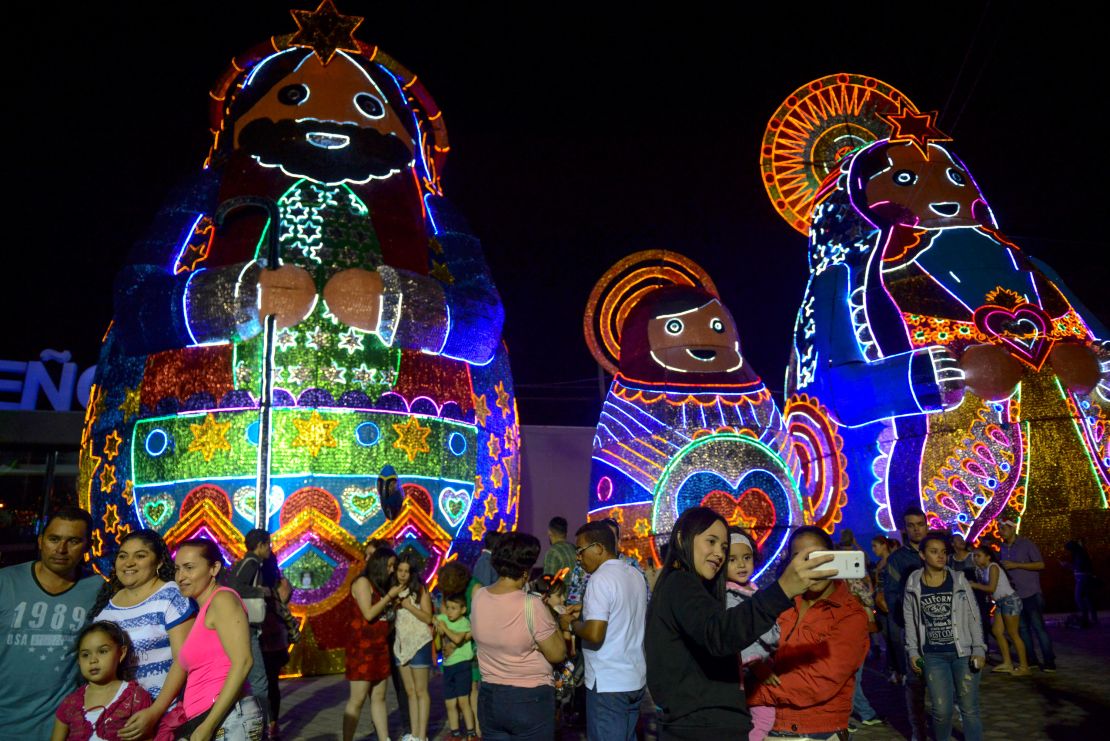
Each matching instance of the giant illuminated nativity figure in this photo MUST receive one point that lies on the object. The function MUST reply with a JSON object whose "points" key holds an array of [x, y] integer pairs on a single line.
{"points": [[320, 206], [954, 371]]}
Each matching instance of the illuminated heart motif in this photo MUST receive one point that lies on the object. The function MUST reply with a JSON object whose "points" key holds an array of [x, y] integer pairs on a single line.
{"points": [[750, 503], [157, 509], [245, 501], [454, 504], [361, 504], [1023, 329], [752, 510]]}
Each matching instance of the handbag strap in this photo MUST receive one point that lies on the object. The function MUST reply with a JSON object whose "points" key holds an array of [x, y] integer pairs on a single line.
{"points": [[529, 617]]}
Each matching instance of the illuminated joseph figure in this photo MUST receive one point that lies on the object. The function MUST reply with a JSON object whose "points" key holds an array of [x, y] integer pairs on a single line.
{"points": [[958, 373], [687, 421], [319, 205]]}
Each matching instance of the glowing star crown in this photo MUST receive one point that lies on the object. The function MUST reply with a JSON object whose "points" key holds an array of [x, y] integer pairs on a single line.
{"points": [[325, 30], [918, 129]]}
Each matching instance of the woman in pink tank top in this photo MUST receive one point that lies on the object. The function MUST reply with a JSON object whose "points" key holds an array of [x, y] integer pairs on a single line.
{"points": [[214, 661]]}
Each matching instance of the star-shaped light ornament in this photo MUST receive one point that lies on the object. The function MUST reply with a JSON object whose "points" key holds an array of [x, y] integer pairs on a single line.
{"points": [[325, 30], [110, 518], [919, 129], [477, 529], [412, 438], [481, 409], [315, 433], [504, 401], [131, 403], [209, 436], [111, 444], [107, 479], [491, 507]]}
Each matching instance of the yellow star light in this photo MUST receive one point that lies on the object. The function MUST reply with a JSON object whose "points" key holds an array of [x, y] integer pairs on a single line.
{"points": [[412, 438], [617, 514], [122, 532], [441, 273], [129, 492], [97, 544], [325, 30], [111, 444], [481, 409], [107, 478], [504, 401], [477, 529], [209, 436], [501, 527], [111, 518], [494, 447], [491, 506], [130, 405], [642, 528], [496, 475], [479, 487], [315, 433]]}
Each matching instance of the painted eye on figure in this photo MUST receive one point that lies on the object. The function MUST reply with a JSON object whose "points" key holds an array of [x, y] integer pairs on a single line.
{"points": [[956, 176], [717, 325], [673, 326], [293, 94], [369, 106], [905, 177]]}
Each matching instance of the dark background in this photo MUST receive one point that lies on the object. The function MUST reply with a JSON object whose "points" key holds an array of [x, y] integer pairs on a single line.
{"points": [[579, 134]]}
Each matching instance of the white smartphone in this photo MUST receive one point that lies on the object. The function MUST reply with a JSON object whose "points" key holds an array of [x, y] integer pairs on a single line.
{"points": [[848, 564]]}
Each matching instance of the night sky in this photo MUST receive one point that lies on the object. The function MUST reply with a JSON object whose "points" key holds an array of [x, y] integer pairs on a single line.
{"points": [[578, 136]]}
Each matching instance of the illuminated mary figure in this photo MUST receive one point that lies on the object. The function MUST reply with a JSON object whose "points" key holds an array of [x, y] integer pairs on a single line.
{"points": [[687, 421], [320, 207], [961, 375]]}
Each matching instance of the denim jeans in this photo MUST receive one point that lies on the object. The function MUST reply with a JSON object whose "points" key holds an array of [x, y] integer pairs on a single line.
{"points": [[612, 716], [1032, 616], [243, 723], [260, 685], [949, 675], [506, 712], [860, 706]]}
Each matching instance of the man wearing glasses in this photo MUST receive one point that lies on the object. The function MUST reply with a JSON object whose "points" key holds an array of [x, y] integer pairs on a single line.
{"points": [[610, 624]]}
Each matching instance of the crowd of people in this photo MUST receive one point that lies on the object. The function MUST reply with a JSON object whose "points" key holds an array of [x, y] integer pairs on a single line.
{"points": [[183, 646]]}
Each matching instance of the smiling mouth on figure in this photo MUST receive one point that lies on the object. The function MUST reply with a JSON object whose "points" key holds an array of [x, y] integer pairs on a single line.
{"points": [[946, 208], [703, 354], [325, 140]]}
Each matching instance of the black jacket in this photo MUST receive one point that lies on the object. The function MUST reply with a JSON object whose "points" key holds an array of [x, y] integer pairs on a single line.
{"points": [[692, 644]]}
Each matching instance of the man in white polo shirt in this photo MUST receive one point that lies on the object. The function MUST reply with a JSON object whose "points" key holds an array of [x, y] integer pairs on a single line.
{"points": [[610, 623]]}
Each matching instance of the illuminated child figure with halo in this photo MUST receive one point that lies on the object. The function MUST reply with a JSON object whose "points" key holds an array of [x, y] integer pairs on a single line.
{"points": [[687, 421]]}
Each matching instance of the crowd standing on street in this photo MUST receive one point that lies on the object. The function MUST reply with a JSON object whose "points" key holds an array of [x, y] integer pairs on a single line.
{"points": [[178, 646]]}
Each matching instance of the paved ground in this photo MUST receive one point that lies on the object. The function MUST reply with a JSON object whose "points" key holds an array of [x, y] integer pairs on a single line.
{"points": [[1072, 704]]}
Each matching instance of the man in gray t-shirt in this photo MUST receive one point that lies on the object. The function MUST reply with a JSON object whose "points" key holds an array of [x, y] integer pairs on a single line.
{"points": [[43, 605], [1024, 564]]}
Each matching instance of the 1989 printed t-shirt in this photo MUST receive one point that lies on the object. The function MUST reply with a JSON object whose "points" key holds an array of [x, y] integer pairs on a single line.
{"points": [[38, 665]]}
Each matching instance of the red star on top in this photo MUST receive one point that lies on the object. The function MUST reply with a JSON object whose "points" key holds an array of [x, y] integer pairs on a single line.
{"points": [[325, 31], [918, 129]]}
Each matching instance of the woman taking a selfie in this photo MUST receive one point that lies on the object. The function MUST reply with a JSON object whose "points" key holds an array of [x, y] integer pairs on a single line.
{"points": [[691, 640]]}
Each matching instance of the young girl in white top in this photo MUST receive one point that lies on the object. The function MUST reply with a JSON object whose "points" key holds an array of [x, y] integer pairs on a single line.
{"points": [[993, 580], [412, 643]]}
